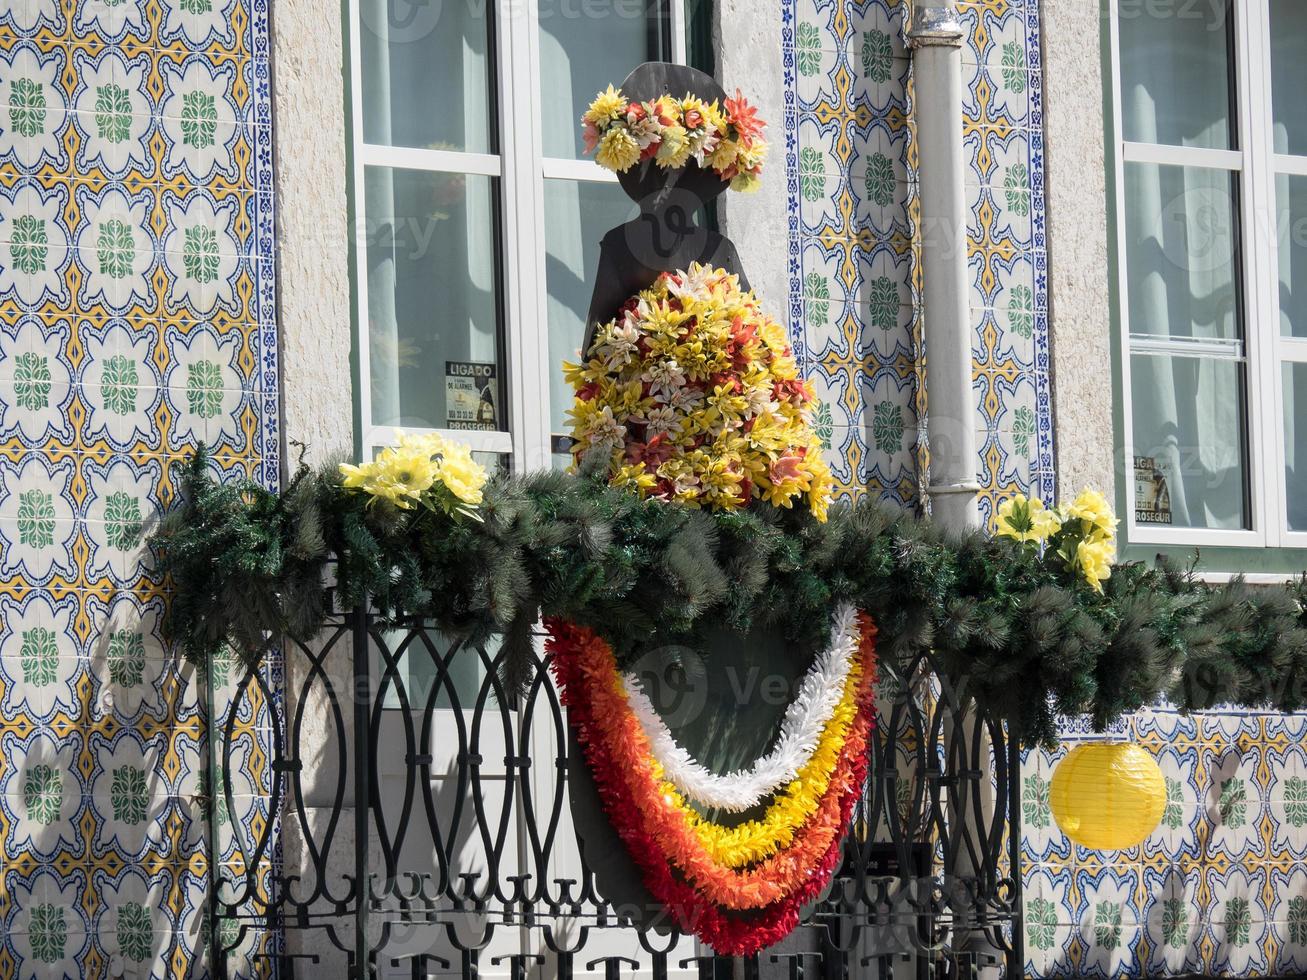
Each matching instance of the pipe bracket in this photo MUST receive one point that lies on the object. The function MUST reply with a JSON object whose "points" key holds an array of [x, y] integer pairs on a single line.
{"points": [[944, 488], [935, 27]]}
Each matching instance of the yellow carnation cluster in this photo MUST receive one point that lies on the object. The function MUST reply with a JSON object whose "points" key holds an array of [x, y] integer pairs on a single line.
{"points": [[1082, 533], [692, 395], [427, 470], [672, 132]]}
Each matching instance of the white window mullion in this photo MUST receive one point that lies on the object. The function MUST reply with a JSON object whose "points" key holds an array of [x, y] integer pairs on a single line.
{"points": [[358, 231], [1254, 208]]}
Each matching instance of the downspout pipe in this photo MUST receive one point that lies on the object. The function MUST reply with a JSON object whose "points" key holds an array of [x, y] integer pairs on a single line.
{"points": [[935, 37]]}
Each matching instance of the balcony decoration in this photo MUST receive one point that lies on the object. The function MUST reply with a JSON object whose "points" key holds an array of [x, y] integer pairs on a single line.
{"points": [[1107, 795], [690, 395], [725, 137]]}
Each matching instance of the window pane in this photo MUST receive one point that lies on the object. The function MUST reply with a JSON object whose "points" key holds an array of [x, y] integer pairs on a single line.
{"points": [[426, 75], [584, 47], [577, 215], [1291, 196], [1289, 75], [1295, 445], [1176, 66], [1190, 457], [433, 330], [1182, 262]]}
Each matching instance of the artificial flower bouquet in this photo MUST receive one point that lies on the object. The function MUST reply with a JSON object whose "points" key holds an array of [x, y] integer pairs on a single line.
{"points": [[726, 138], [1080, 536], [426, 471], [691, 395]]}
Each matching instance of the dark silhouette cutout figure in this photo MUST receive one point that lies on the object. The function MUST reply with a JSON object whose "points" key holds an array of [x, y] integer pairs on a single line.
{"points": [[663, 236]]}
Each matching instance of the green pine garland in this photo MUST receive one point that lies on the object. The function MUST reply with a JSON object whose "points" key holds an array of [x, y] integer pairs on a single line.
{"points": [[1015, 631]]}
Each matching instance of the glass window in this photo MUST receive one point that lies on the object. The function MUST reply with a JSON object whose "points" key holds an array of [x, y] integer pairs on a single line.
{"points": [[1213, 233], [1176, 68], [1289, 75], [1182, 251], [478, 222], [427, 71], [432, 295]]}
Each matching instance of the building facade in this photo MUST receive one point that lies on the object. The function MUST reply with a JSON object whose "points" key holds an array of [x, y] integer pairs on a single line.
{"points": [[288, 228]]}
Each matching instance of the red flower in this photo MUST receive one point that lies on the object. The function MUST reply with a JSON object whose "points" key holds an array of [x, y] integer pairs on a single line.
{"points": [[693, 119], [635, 112], [744, 118], [588, 391], [653, 453]]}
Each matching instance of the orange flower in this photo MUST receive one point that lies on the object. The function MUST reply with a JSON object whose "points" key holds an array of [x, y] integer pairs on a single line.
{"points": [[744, 117]]}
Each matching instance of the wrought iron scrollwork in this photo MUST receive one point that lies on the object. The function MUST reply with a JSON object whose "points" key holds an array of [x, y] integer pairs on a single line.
{"points": [[409, 818]]}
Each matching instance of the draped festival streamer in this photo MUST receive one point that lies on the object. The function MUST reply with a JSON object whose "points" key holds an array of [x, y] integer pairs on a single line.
{"points": [[801, 728], [735, 910]]}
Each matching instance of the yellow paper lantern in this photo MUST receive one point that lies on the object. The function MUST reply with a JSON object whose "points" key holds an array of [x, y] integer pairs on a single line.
{"points": [[1107, 795]]}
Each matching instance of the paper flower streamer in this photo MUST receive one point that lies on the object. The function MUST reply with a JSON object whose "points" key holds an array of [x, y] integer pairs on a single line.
{"points": [[738, 900]]}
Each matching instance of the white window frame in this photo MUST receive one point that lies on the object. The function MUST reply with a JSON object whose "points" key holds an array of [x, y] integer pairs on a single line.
{"points": [[521, 169], [1263, 350]]}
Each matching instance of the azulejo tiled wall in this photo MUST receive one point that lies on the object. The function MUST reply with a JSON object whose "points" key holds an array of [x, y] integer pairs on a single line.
{"points": [[855, 242], [136, 319], [1219, 889]]}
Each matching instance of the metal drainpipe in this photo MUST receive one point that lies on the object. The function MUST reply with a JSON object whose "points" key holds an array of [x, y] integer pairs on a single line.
{"points": [[935, 37]]}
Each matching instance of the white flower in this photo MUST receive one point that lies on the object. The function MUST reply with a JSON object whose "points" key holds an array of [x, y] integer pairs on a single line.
{"points": [[202, 255], [113, 112], [686, 400], [35, 384], [759, 401], [664, 378], [646, 131], [36, 519], [663, 419], [199, 121], [35, 250], [619, 346], [695, 283], [32, 106], [38, 657], [603, 433], [116, 250]]}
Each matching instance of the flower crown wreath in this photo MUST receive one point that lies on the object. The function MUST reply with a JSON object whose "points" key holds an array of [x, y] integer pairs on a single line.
{"points": [[672, 131]]}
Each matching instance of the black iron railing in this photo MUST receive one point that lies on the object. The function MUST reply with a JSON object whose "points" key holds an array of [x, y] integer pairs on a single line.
{"points": [[382, 807]]}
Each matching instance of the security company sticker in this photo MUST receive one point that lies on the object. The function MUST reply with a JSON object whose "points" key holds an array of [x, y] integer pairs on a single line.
{"points": [[471, 395]]}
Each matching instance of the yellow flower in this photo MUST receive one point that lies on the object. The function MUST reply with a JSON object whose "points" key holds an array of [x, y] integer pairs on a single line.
{"points": [[606, 107], [1024, 519], [1092, 507], [1094, 559], [674, 150], [618, 151], [745, 182]]}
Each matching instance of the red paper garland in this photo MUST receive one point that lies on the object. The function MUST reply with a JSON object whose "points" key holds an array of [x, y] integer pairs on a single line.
{"points": [[727, 932]]}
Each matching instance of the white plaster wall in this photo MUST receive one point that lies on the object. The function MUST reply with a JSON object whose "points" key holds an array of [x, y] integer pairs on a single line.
{"points": [[313, 228], [747, 43], [1080, 304]]}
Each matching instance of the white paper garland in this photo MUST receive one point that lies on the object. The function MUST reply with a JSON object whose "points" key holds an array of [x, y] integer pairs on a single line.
{"points": [[801, 729]]}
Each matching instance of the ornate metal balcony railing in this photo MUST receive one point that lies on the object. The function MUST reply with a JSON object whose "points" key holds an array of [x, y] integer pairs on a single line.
{"points": [[381, 808]]}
